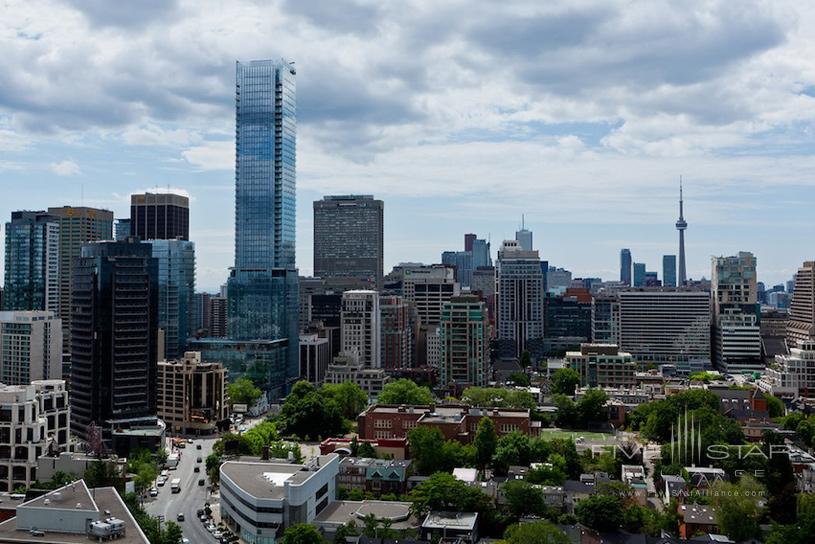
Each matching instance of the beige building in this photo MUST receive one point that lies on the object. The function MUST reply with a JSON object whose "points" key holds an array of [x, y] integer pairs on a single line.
{"points": [[191, 394], [801, 324], [603, 365], [30, 347]]}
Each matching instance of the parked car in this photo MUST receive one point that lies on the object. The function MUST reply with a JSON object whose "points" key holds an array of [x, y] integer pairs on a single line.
{"points": [[196, 468], [198, 460], [202, 481], [153, 492], [198, 446], [179, 517]]}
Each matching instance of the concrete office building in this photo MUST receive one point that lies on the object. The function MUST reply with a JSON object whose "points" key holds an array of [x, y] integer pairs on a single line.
{"points": [[792, 375], [31, 278], [557, 279], [30, 347], [191, 396], [114, 337], [666, 327], [625, 267], [736, 328], [349, 241], [669, 270], [346, 368], [33, 419], [801, 324], [603, 365], [261, 499], [397, 337], [315, 356], [428, 288], [520, 301], [737, 342], [77, 226], [360, 329], [464, 343], [605, 319], [218, 313], [160, 216]]}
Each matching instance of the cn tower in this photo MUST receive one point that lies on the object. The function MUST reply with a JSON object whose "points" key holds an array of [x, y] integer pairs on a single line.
{"points": [[681, 225]]}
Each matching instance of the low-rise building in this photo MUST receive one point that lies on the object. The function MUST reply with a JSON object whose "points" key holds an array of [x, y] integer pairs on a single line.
{"points": [[792, 375], [34, 419], [260, 499], [385, 448], [191, 396], [395, 513], [696, 518], [741, 404], [379, 476], [75, 463], [603, 365], [450, 525], [345, 368]]}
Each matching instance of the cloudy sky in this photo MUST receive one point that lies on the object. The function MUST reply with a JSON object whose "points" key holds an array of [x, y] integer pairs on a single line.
{"points": [[461, 115]]}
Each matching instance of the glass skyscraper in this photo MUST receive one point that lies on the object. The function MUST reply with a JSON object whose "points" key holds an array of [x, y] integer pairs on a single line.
{"points": [[32, 262], [669, 270], [262, 287], [176, 288]]}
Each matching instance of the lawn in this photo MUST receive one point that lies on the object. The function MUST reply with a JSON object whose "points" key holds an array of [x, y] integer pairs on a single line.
{"points": [[587, 435]]}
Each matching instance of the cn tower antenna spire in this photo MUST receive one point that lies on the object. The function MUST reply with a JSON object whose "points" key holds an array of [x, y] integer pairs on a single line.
{"points": [[681, 225]]}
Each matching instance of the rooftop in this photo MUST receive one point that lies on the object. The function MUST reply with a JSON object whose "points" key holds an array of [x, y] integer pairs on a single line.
{"points": [[340, 512], [268, 479], [699, 514], [450, 520]]}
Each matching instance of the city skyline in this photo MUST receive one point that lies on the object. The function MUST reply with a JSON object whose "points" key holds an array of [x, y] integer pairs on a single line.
{"points": [[363, 127]]}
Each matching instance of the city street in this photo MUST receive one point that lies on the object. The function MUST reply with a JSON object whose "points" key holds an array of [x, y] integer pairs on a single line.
{"points": [[192, 496]]}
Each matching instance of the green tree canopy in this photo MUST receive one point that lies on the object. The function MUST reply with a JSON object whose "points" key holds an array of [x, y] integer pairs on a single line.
{"points": [[565, 381], [485, 442], [538, 532], [404, 391], [602, 513], [243, 391], [302, 533], [523, 499], [592, 407], [519, 379], [309, 415], [488, 397], [737, 509], [443, 492], [775, 406], [349, 397]]}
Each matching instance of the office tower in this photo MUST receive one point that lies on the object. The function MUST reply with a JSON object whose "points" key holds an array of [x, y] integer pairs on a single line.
{"points": [[262, 288], [520, 299], [481, 253], [651, 280], [77, 226], [114, 336], [639, 274], [761, 292], [32, 262], [360, 329], [176, 289], [557, 280], [30, 347], [218, 314], [160, 216], [200, 313], [348, 240], [306, 288], [397, 335], [737, 341], [791, 286], [569, 316], [484, 285], [733, 283], [625, 266], [121, 229], [463, 342], [462, 261], [667, 327], [327, 309], [605, 319], [192, 395], [469, 238], [801, 324], [315, 356], [681, 225], [669, 270], [428, 288], [524, 237]]}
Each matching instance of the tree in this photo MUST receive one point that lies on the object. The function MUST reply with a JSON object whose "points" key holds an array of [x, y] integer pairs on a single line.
{"points": [[443, 492], [565, 381], [519, 379], [302, 533], [309, 415], [404, 391], [526, 360], [426, 445], [500, 397], [544, 475], [538, 532], [260, 435], [523, 499], [100, 474], [780, 480], [602, 513], [592, 407], [737, 509], [171, 534], [485, 442], [349, 397], [775, 406], [344, 531], [366, 450], [243, 391], [512, 449], [567, 415]]}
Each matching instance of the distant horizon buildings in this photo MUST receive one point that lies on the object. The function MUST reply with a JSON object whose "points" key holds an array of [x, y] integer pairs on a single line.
{"points": [[625, 266], [520, 301], [669, 270]]}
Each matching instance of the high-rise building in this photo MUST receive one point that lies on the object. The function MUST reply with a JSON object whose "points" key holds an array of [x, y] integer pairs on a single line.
{"points": [[397, 337], [428, 288], [639, 274], [218, 317], [348, 240], [520, 300], [625, 266], [736, 327], [462, 261], [77, 226], [262, 288], [114, 334], [30, 347], [315, 356], [524, 236], [557, 280], [360, 330], [176, 290], [669, 270], [484, 285], [201, 312], [733, 283], [463, 342], [469, 238], [481, 253], [32, 262], [121, 228], [605, 319], [159, 216], [666, 327], [569, 315], [681, 226], [801, 324], [192, 394]]}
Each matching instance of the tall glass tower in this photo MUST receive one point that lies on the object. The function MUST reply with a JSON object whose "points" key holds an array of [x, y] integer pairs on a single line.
{"points": [[262, 288]]}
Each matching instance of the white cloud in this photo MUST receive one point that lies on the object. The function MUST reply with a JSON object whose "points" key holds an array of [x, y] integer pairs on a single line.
{"points": [[211, 155], [64, 168]]}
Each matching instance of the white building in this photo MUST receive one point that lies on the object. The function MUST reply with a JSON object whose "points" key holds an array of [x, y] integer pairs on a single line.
{"points": [[360, 327], [260, 499], [345, 368], [520, 297], [603, 365], [33, 419], [30, 347], [792, 375], [315, 356], [428, 288], [737, 342], [734, 294], [433, 346]]}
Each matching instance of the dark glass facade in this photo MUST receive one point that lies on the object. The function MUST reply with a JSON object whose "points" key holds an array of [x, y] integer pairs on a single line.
{"points": [[114, 328], [31, 262], [176, 291], [159, 216]]}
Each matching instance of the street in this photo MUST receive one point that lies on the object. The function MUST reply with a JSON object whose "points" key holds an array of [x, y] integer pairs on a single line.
{"points": [[192, 496]]}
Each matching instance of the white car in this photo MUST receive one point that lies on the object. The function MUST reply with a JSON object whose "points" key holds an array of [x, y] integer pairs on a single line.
{"points": [[185, 540], [211, 528], [153, 492], [217, 534]]}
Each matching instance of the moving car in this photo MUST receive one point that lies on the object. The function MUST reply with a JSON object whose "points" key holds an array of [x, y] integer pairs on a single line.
{"points": [[201, 481], [179, 517], [198, 460], [196, 468], [153, 492]]}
